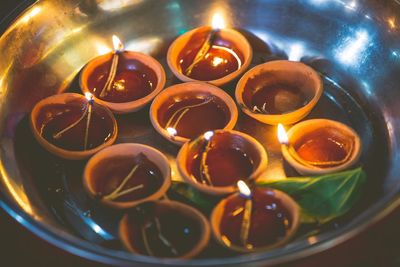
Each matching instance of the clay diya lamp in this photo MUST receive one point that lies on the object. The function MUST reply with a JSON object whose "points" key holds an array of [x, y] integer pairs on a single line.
{"points": [[184, 111], [124, 81], [214, 54], [256, 220], [73, 126], [125, 175], [164, 229], [320, 146], [279, 92], [215, 161]]}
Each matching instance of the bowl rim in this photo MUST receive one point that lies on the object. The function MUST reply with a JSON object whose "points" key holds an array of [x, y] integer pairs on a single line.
{"points": [[129, 106], [247, 49], [61, 152], [285, 118], [190, 87], [321, 123], [128, 149], [222, 190], [204, 223], [287, 201]]}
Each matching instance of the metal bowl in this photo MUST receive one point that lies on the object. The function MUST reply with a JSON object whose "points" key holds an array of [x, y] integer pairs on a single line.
{"points": [[353, 44]]}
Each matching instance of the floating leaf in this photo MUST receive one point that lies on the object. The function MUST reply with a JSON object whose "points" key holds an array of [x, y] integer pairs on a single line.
{"points": [[322, 198]]}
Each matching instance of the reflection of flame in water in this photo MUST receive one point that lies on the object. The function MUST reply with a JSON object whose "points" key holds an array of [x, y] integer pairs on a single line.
{"points": [[172, 131], [282, 135], [353, 48]]}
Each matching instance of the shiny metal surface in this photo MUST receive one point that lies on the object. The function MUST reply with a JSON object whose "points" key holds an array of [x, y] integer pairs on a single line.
{"points": [[354, 44]]}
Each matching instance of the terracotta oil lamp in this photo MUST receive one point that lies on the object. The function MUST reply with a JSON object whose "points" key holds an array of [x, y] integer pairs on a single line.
{"points": [[184, 111], [124, 81], [255, 220], [164, 229], [215, 161], [279, 92], [320, 146], [73, 126], [125, 175], [214, 54]]}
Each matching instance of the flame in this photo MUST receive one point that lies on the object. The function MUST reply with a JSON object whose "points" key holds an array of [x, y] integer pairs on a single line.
{"points": [[282, 135], [218, 21], [118, 45], [172, 131], [243, 188], [208, 135], [89, 96]]}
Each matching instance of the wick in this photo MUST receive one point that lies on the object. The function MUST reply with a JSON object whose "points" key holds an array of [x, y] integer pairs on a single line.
{"points": [[202, 51], [263, 109], [88, 112], [204, 172], [245, 229], [182, 111], [118, 192], [162, 238], [111, 74], [89, 116]]}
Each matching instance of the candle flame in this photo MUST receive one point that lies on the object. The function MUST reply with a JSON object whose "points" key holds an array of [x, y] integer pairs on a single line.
{"points": [[118, 45], [244, 189], [89, 96], [282, 135], [208, 135], [218, 21], [172, 131]]}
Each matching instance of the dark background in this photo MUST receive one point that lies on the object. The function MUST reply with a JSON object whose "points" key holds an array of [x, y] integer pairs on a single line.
{"points": [[379, 246]]}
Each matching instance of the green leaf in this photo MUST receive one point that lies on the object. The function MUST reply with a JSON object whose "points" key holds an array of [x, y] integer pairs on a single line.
{"points": [[322, 198]]}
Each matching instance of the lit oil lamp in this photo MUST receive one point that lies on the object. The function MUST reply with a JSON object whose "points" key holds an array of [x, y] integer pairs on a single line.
{"points": [[215, 161], [125, 175], [279, 92], [319, 146], [166, 229], [184, 111], [124, 81], [73, 126], [255, 220], [212, 54]]}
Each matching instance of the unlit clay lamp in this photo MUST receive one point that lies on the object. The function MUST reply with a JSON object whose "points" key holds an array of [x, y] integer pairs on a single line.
{"points": [[255, 220], [279, 92], [73, 126], [215, 161], [164, 229], [124, 81], [214, 54], [125, 175], [320, 146], [184, 111]]}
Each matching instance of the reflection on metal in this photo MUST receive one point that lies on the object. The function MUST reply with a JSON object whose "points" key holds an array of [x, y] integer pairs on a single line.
{"points": [[148, 45], [354, 49], [110, 5], [31, 14]]}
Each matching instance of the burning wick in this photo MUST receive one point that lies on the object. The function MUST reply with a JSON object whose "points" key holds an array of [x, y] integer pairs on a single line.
{"points": [[204, 172], [118, 47], [88, 113], [284, 140], [118, 192], [217, 24], [172, 132], [245, 192]]}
